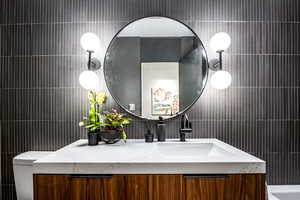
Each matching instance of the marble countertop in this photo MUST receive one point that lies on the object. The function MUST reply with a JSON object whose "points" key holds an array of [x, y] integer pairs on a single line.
{"points": [[196, 156]]}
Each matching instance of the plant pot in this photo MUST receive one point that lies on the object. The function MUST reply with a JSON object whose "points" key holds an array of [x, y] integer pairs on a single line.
{"points": [[93, 138], [111, 136]]}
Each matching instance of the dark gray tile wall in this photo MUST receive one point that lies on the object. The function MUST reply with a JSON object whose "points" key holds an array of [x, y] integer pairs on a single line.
{"points": [[41, 58]]}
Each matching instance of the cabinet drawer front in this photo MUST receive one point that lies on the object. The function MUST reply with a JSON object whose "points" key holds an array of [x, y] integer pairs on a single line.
{"points": [[232, 187], [152, 187]]}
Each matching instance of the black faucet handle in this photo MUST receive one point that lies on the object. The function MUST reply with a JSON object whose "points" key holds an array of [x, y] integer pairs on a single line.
{"points": [[190, 125], [183, 132], [186, 127]]}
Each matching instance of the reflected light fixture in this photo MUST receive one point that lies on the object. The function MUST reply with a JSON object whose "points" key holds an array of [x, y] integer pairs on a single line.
{"points": [[88, 79], [221, 79]]}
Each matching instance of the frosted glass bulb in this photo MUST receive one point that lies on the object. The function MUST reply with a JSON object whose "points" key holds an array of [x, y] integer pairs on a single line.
{"points": [[88, 80], [221, 80], [220, 41], [90, 41]]}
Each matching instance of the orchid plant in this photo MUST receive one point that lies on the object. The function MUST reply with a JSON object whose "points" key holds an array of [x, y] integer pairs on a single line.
{"points": [[94, 121]]}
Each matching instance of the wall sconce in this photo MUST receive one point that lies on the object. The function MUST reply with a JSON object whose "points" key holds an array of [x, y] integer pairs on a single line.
{"points": [[220, 79], [88, 79]]}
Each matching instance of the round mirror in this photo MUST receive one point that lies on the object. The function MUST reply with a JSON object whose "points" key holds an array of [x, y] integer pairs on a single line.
{"points": [[156, 66]]}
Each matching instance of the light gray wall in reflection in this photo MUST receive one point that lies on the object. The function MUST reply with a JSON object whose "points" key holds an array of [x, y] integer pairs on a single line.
{"points": [[191, 77], [124, 72]]}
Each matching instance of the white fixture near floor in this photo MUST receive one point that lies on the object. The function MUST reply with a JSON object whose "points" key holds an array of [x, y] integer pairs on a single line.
{"points": [[270, 195], [285, 192], [23, 171]]}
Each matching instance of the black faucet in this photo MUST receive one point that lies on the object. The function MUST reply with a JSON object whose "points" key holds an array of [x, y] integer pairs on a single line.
{"points": [[186, 127]]}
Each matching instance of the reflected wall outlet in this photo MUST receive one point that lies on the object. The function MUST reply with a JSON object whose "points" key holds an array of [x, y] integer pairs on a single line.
{"points": [[132, 107]]}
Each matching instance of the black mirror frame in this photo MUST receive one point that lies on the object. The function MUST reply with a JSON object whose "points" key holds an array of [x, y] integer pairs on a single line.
{"points": [[188, 107]]}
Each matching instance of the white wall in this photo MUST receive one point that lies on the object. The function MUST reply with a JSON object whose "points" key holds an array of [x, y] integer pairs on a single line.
{"points": [[155, 75]]}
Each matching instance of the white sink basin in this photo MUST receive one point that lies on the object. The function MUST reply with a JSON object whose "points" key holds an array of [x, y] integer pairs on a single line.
{"points": [[191, 149]]}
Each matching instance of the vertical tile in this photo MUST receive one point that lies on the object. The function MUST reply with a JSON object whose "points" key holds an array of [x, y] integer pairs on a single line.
{"points": [[41, 59]]}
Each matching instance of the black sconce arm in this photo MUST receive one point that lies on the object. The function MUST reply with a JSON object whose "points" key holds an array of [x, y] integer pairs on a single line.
{"points": [[217, 64], [93, 63]]}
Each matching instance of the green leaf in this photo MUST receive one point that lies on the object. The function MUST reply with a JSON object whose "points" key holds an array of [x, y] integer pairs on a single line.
{"points": [[124, 135], [92, 111], [99, 116], [93, 115], [126, 122], [89, 126], [101, 124], [93, 129], [115, 124]]}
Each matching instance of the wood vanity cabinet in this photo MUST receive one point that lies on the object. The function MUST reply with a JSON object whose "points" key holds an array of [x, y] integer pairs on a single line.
{"points": [[150, 187], [231, 187]]}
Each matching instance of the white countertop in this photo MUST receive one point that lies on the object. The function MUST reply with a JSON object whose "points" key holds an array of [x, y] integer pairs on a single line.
{"points": [[196, 156]]}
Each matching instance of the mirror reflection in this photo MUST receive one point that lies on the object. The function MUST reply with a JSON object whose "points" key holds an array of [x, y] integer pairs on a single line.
{"points": [[156, 66]]}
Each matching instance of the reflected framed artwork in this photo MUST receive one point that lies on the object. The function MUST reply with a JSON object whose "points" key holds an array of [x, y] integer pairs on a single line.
{"points": [[164, 102]]}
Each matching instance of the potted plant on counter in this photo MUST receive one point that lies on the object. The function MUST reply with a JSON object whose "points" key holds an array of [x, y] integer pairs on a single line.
{"points": [[93, 122], [112, 129]]}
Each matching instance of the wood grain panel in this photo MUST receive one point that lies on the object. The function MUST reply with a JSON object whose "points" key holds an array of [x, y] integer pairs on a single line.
{"points": [[204, 188], [167, 187], [51, 187], [255, 187], [245, 187], [137, 187], [235, 187], [106, 189], [79, 188]]}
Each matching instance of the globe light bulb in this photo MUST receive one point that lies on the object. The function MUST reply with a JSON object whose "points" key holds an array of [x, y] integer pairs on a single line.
{"points": [[90, 42], [220, 41], [221, 80], [88, 80]]}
